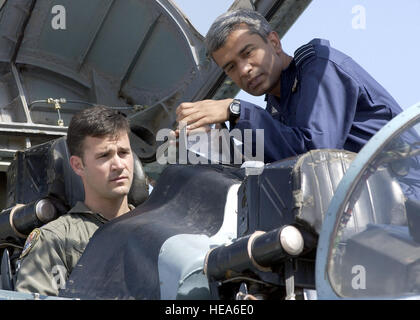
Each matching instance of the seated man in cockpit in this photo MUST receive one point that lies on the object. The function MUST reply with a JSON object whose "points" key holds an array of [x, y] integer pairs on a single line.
{"points": [[100, 153]]}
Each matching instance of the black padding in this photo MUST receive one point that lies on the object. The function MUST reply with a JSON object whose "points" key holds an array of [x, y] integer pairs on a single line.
{"points": [[121, 259], [63, 183], [43, 171], [139, 190]]}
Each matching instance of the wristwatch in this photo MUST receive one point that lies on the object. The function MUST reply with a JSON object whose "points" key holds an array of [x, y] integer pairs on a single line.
{"points": [[234, 110]]}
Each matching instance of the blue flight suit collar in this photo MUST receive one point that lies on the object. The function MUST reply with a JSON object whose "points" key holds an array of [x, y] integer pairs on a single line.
{"points": [[319, 41], [289, 78], [277, 105]]}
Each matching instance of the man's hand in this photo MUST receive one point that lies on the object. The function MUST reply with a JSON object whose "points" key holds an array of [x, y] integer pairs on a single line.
{"points": [[202, 113]]}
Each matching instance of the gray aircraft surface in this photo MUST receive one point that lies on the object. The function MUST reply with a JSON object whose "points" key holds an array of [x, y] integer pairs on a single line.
{"points": [[328, 224]]}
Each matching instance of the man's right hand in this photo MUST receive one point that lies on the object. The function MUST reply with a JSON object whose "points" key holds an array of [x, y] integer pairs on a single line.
{"points": [[203, 113]]}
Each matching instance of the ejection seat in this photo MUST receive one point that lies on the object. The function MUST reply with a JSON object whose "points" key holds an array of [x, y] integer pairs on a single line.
{"points": [[41, 186], [44, 171]]}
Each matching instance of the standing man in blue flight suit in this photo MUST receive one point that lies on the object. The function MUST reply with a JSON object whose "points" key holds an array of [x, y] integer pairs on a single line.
{"points": [[320, 98]]}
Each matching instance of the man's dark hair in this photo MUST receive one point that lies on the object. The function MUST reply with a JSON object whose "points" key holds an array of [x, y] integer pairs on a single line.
{"points": [[98, 121], [230, 21]]}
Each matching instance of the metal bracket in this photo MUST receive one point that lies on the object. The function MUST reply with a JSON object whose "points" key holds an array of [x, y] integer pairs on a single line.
{"points": [[57, 107]]}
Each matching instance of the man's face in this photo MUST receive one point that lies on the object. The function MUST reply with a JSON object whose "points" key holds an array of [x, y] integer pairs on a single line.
{"points": [[253, 64], [107, 166]]}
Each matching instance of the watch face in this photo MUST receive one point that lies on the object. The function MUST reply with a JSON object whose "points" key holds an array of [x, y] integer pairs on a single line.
{"points": [[235, 107]]}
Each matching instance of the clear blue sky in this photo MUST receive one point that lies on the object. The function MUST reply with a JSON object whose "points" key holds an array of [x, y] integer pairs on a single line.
{"points": [[386, 43]]}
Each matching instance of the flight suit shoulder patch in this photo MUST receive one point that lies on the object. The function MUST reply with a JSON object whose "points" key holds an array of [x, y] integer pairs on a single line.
{"points": [[30, 242]]}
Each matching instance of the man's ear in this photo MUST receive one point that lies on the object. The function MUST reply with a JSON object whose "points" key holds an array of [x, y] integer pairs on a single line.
{"points": [[274, 39], [77, 165]]}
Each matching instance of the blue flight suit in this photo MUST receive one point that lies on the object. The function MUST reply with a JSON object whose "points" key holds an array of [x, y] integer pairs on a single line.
{"points": [[327, 101]]}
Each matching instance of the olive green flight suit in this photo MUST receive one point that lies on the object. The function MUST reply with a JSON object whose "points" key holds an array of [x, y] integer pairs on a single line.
{"points": [[52, 251]]}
